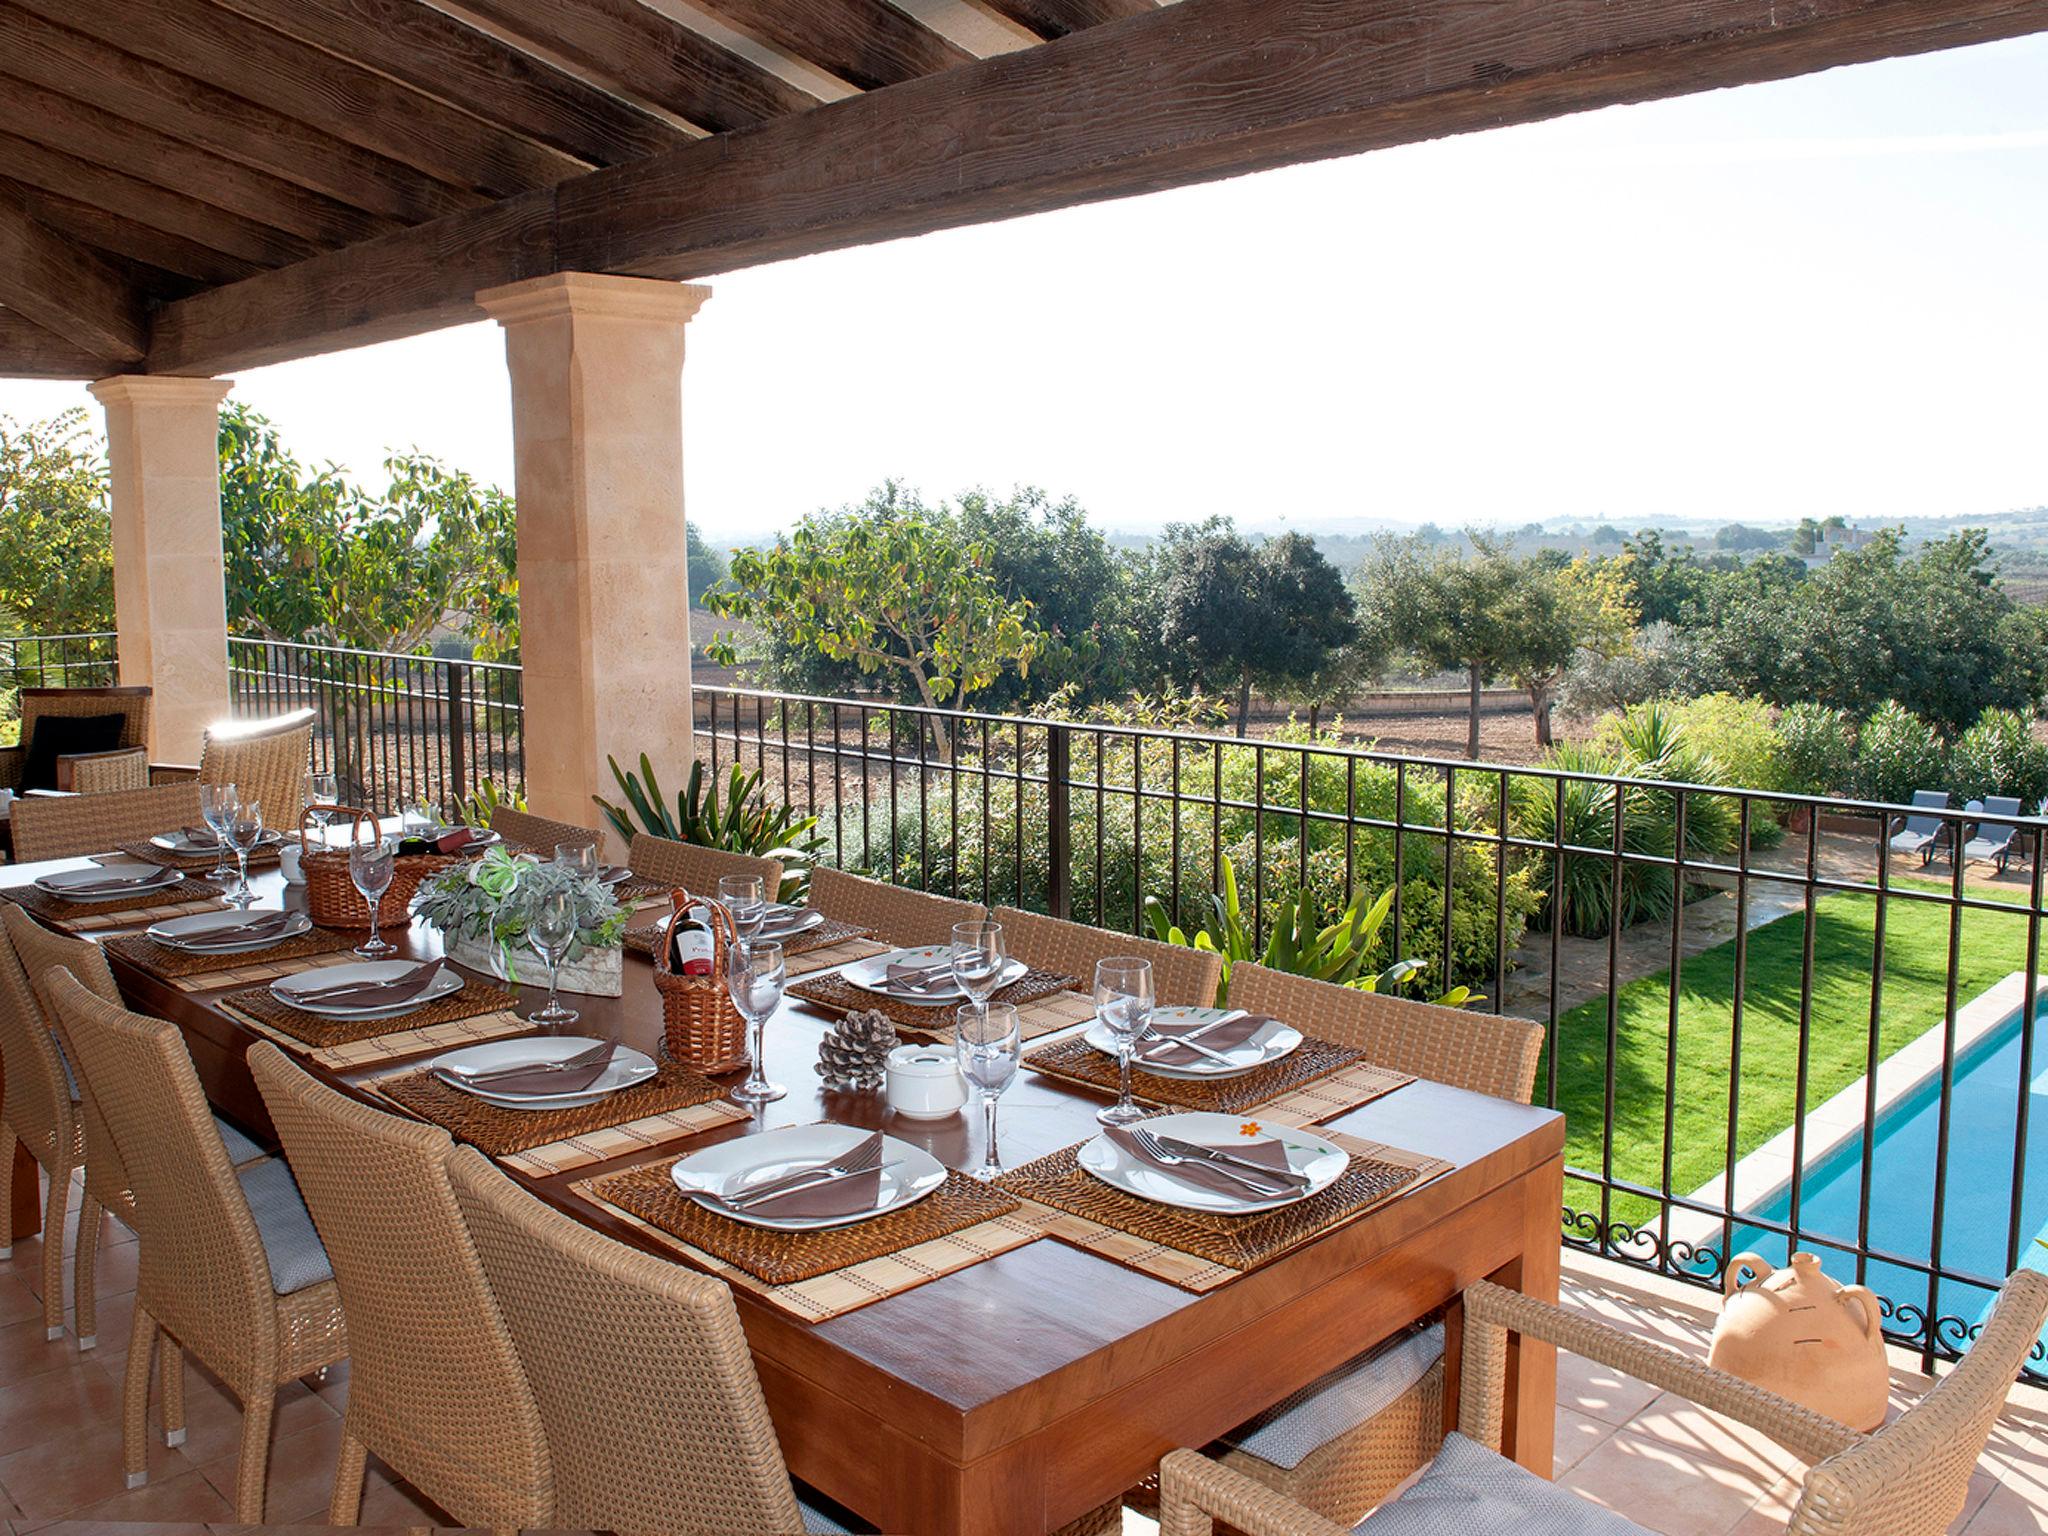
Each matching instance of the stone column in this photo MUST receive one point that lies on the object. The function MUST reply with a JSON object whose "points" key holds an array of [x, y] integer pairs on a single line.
{"points": [[170, 598], [597, 424]]}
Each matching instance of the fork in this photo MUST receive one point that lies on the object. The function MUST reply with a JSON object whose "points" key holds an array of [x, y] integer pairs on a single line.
{"points": [[1152, 1035], [861, 1159], [1152, 1148]]}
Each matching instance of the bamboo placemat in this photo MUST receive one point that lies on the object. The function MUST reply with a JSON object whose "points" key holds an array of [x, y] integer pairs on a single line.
{"points": [[400, 1043], [257, 1005], [260, 970], [835, 994], [854, 1286], [1337, 1094], [169, 964], [501, 1133], [123, 911], [1193, 1249], [149, 853], [1076, 1061]]}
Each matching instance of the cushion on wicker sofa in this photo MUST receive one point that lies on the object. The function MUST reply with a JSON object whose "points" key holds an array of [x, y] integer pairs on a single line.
{"points": [[1471, 1491], [56, 736], [1295, 1427]]}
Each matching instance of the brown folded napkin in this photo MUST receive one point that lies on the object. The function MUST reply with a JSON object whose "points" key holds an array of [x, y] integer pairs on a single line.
{"points": [[458, 838], [570, 1075], [123, 885], [272, 926], [841, 1197], [199, 834], [613, 874], [1222, 1037], [402, 988], [923, 979], [1263, 1150]]}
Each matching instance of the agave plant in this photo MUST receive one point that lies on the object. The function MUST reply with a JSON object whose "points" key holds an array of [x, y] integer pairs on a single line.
{"points": [[742, 821], [480, 804], [1298, 944]]}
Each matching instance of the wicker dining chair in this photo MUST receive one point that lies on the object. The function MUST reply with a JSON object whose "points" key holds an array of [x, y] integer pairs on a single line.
{"points": [[65, 826], [697, 869], [1179, 975], [434, 1386], [1343, 1442], [897, 916], [230, 1268], [539, 833], [39, 1109], [124, 766], [1908, 1478], [40, 952], [266, 761]]}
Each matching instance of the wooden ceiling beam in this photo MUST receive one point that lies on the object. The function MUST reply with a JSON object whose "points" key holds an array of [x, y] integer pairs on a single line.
{"points": [[330, 94], [867, 43], [67, 290], [646, 54], [433, 52], [83, 131], [124, 237], [1195, 91], [72, 64], [1057, 18], [27, 351]]}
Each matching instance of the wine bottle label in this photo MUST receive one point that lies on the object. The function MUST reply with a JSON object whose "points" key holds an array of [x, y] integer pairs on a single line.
{"points": [[690, 945]]}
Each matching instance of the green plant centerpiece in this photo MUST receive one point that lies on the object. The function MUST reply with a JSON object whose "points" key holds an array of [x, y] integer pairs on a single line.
{"points": [[484, 911]]}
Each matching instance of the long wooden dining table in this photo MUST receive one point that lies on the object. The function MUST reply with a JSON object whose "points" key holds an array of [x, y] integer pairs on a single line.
{"points": [[1018, 1393]]}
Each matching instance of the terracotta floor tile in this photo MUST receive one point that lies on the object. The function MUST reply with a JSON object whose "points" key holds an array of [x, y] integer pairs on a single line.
{"points": [[1690, 1429], [176, 1500], [18, 1299], [1663, 1489], [1577, 1433], [63, 1476], [1599, 1391], [57, 1403], [121, 1528], [389, 1502], [25, 1352], [213, 1418], [301, 1471]]}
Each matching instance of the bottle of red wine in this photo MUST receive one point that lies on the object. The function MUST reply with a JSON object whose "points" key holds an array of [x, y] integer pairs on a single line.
{"points": [[689, 943]]}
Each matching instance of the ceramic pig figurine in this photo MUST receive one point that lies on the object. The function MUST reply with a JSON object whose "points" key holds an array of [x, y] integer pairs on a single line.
{"points": [[1806, 1337]]}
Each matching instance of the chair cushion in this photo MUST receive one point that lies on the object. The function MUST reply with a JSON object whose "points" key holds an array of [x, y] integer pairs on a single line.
{"points": [[58, 736], [1292, 1429], [817, 1520], [1471, 1491], [240, 1148], [297, 1258]]}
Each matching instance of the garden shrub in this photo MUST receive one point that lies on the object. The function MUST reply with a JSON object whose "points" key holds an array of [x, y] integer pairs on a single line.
{"points": [[1998, 755], [1897, 752], [1816, 750]]}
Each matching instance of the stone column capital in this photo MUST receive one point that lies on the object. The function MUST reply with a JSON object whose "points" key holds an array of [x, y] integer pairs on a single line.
{"points": [[159, 389], [589, 295]]}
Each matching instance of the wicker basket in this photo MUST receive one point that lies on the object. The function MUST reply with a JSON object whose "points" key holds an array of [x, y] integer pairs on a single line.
{"points": [[701, 1027], [332, 899]]}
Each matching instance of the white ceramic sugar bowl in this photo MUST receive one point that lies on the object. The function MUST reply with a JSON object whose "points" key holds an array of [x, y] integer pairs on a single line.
{"points": [[924, 1082]]}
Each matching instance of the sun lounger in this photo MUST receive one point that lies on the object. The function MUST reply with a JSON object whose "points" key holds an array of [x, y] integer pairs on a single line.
{"points": [[1993, 844], [1920, 834]]}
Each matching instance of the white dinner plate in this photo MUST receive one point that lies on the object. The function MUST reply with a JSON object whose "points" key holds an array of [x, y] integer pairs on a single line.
{"points": [[176, 933], [732, 1166], [1321, 1162], [64, 881], [873, 973], [1272, 1042], [287, 989], [626, 1068], [178, 842]]}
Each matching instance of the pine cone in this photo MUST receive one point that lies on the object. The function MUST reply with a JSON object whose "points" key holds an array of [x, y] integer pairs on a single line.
{"points": [[855, 1051]]}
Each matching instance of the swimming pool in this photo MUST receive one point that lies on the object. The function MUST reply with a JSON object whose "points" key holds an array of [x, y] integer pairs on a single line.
{"points": [[1977, 1213]]}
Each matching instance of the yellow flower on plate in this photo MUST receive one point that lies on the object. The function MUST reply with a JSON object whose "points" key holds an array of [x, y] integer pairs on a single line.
{"points": [[1250, 1128]]}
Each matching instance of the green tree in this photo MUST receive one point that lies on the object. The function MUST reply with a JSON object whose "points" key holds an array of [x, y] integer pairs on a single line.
{"points": [[56, 539], [707, 565]]}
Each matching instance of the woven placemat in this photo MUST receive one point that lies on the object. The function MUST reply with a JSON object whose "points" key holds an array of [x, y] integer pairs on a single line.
{"points": [[257, 1005], [87, 916], [784, 1258], [502, 1132], [858, 1285], [261, 970], [149, 853], [1194, 1249], [1076, 1061], [170, 964], [835, 994]]}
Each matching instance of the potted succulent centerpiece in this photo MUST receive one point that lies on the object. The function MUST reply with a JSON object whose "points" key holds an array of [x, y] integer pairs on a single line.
{"points": [[485, 910]]}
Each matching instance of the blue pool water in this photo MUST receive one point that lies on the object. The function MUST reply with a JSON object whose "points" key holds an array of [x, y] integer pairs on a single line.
{"points": [[1976, 1216]]}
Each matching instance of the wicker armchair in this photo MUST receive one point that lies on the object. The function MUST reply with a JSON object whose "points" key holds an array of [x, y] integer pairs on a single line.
{"points": [[125, 767], [1906, 1479], [694, 868], [434, 1386], [1179, 974], [65, 826], [264, 759], [898, 916], [539, 833], [230, 1268]]}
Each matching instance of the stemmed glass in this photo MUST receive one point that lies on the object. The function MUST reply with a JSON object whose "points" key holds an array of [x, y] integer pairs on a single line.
{"points": [[755, 975], [369, 865], [245, 832], [988, 1040], [746, 903], [979, 955], [322, 789], [581, 857], [1123, 1001], [217, 804], [552, 931]]}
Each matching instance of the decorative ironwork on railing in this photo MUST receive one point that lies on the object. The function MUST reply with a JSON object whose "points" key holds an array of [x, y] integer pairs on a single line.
{"points": [[59, 661]]}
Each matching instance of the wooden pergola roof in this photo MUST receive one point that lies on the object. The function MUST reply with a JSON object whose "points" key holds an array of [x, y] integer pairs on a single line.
{"points": [[188, 186]]}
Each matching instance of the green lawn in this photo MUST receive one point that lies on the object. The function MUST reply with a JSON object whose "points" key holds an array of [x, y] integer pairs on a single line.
{"points": [[1915, 978]]}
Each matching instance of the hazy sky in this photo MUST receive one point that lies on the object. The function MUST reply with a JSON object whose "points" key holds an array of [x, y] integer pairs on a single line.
{"points": [[1824, 295]]}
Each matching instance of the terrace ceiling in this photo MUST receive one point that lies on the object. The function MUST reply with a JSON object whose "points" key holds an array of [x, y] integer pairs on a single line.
{"points": [[188, 186]]}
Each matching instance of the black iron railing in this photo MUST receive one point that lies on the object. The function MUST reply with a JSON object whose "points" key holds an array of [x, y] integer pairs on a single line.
{"points": [[59, 661]]}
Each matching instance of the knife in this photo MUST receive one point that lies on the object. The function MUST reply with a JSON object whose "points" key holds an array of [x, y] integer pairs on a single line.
{"points": [[1286, 1176], [816, 1178]]}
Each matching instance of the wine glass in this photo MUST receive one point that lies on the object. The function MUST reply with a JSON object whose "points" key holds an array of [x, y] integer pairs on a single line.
{"points": [[321, 790], [369, 865], [217, 803], [754, 975], [245, 832], [552, 931], [746, 903], [979, 955], [416, 817], [988, 1040], [581, 857], [1123, 1001]]}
